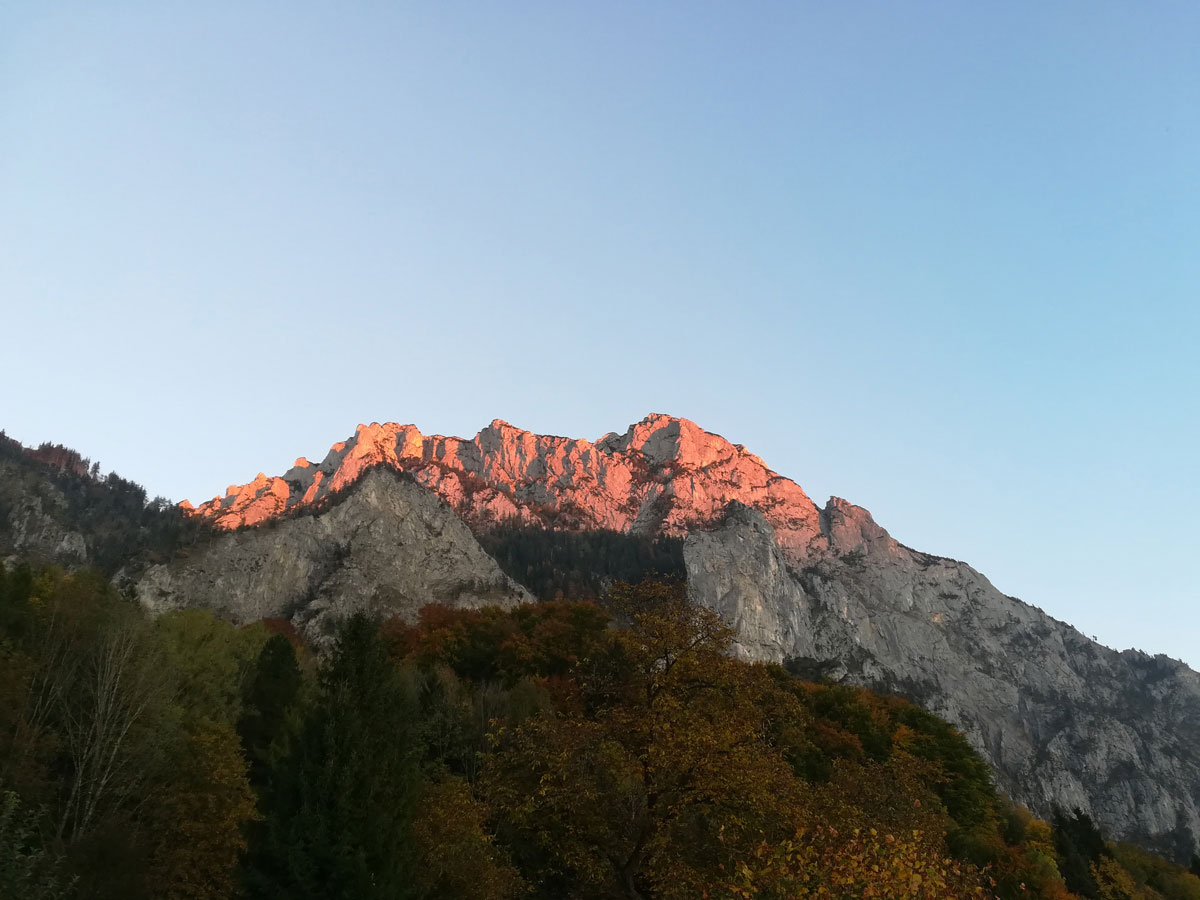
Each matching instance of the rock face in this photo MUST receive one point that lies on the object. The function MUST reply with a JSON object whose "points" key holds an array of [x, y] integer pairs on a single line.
{"points": [[386, 545], [36, 520], [664, 475], [1063, 720], [36, 530]]}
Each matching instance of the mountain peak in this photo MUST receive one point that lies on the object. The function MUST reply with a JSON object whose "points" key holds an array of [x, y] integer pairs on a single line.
{"points": [[663, 439], [664, 474]]}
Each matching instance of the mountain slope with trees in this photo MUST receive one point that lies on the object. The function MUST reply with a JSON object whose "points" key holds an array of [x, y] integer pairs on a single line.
{"points": [[545, 751]]}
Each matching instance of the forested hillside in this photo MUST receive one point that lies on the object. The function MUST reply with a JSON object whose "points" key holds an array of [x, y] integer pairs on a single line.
{"points": [[57, 506], [539, 752], [580, 565]]}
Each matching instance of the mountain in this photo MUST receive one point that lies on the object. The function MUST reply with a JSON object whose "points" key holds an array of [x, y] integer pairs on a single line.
{"points": [[663, 476], [1063, 720], [386, 546]]}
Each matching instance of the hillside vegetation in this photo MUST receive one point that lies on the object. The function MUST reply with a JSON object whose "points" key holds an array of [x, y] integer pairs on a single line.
{"points": [[56, 506], [539, 752]]}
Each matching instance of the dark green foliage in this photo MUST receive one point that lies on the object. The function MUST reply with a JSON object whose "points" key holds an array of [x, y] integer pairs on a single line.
{"points": [[966, 788], [98, 708], [269, 706], [16, 616], [580, 565], [27, 871], [339, 808], [117, 520], [1080, 846]]}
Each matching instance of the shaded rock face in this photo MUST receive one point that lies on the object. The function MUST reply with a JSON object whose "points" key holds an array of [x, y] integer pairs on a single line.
{"points": [[387, 546], [35, 515], [1063, 720], [36, 529]]}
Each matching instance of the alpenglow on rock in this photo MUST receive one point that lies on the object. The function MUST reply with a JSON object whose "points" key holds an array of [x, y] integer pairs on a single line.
{"points": [[664, 475], [1063, 720]]}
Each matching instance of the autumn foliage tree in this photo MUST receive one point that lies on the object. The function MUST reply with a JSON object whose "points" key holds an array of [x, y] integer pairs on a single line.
{"points": [[659, 770]]}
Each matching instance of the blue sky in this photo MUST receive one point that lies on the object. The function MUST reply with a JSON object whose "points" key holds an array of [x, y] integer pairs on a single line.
{"points": [[937, 258]]}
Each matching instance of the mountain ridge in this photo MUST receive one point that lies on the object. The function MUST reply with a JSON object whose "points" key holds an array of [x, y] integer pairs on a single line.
{"points": [[1063, 720], [664, 474]]}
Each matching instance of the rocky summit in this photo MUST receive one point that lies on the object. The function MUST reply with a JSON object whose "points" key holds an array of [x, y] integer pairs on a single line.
{"points": [[664, 475], [1064, 721]]}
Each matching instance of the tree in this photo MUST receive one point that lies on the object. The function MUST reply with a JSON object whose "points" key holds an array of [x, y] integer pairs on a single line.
{"points": [[456, 857], [197, 818], [666, 771], [1080, 848], [1113, 882], [110, 703], [270, 706], [26, 870], [210, 658], [338, 808], [824, 863]]}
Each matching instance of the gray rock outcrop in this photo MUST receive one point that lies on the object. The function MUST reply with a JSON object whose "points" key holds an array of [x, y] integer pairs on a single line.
{"points": [[1063, 720], [386, 545], [36, 529]]}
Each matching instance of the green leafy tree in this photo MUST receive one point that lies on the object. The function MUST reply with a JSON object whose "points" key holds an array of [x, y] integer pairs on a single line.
{"points": [[27, 871], [270, 708], [197, 818], [457, 859], [210, 659]]}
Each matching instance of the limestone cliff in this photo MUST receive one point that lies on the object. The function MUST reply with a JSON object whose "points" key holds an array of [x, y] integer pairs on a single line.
{"points": [[386, 545], [1063, 720]]}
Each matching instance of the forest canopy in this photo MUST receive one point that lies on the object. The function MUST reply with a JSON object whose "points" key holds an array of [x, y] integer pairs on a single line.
{"points": [[556, 750]]}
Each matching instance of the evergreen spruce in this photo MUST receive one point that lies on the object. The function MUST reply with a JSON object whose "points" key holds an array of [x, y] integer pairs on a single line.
{"points": [[340, 810]]}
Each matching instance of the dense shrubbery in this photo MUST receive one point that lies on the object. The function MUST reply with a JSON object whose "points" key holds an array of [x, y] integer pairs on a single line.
{"points": [[485, 755]]}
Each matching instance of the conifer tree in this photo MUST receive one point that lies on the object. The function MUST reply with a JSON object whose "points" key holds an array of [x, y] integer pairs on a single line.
{"points": [[269, 706], [339, 811]]}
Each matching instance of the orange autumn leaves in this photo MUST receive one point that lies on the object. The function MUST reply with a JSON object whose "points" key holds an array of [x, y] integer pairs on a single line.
{"points": [[663, 767]]}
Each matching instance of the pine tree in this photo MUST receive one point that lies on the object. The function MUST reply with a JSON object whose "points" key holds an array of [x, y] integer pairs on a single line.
{"points": [[339, 809], [269, 706]]}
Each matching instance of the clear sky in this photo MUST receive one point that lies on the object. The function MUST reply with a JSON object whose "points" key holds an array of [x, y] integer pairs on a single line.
{"points": [[940, 259]]}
